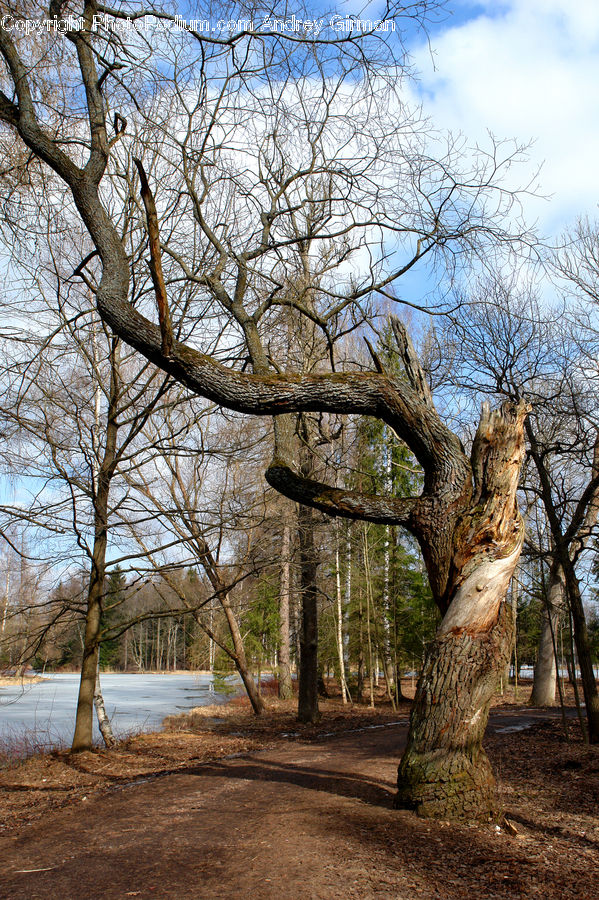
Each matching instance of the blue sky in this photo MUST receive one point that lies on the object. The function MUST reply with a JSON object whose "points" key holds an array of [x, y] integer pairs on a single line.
{"points": [[520, 69], [524, 69]]}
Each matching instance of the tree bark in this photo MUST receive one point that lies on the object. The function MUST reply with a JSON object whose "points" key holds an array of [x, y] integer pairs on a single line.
{"points": [[308, 711], [444, 772], [103, 720], [583, 649], [545, 677], [285, 683]]}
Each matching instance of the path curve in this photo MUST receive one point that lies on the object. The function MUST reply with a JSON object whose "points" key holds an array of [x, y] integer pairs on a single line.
{"points": [[303, 820]]}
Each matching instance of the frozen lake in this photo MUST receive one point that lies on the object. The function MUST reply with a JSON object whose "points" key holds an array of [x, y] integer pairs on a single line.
{"points": [[45, 712]]}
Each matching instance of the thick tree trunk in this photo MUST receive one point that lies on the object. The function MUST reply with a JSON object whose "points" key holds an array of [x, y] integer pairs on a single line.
{"points": [[444, 772], [285, 683], [545, 678]]}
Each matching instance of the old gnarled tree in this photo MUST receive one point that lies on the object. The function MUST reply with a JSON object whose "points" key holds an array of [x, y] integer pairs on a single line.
{"points": [[466, 519]]}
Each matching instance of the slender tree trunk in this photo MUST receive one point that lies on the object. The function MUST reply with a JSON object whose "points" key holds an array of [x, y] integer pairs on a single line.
{"points": [[240, 657], [361, 654], [386, 606], [545, 677], [211, 644], [103, 720], [348, 595], [237, 654], [371, 662], [297, 618], [285, 682], [339, 622], [574, 680], [360, 685], [583, 649], [102, 476], [6, 596], [367, 575], [568, 545], [308, 671], [83, 736], [399, 696]]}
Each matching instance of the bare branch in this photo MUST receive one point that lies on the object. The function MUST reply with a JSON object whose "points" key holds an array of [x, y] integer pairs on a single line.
{"points": [[345, 503], [164, 317], [414, 370]]}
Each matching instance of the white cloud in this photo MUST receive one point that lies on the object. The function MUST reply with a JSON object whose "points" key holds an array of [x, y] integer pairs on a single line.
{"points": [[527, 69]]}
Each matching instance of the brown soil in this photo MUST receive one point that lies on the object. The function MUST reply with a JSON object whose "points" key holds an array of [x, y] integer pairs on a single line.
{"points": [[230, 806]]}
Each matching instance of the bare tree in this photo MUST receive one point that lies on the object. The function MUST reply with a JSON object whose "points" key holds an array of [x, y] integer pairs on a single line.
{"points": [[78, 405], [508, 346], [285, 681], [192, 497], [466, 519]]}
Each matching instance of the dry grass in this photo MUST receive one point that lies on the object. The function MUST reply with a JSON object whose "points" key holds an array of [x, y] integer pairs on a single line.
{"points": [[34, 780]]}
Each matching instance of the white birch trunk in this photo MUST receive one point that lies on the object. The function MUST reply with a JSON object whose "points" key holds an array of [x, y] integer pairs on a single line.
{"points": [[545, 677]]}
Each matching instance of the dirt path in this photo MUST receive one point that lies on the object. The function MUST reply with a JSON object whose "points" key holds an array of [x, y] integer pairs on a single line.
{"points": [[302, 820]]}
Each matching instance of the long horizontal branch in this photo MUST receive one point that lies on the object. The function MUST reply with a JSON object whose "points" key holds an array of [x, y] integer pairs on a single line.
{"points": [[399, 404], [345, 503], [384, 397]]}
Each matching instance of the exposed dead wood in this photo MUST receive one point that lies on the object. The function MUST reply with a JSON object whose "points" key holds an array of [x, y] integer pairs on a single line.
{"points": [[444, 771], [164, 317]]}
